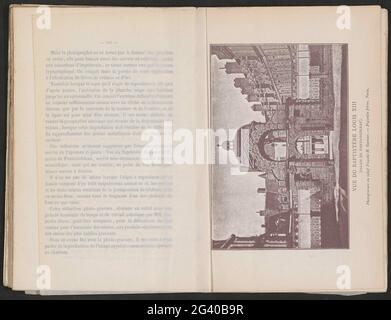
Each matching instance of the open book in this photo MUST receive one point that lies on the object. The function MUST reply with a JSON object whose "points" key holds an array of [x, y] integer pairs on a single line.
{"points": [[196, 150]]}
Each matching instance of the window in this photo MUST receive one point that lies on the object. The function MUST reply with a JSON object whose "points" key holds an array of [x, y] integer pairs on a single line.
{"points": [[317, 144], [273, 145]]}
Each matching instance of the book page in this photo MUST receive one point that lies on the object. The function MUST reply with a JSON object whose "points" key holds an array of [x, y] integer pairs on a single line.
{"points": [[24, 209], [301, 206], [115, 212]]}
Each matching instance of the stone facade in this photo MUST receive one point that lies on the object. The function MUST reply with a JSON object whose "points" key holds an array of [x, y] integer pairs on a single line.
{"points": [[269, 78]]}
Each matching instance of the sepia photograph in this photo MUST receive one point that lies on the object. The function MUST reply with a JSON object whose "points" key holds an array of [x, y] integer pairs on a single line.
{"points": [[288, 105]]}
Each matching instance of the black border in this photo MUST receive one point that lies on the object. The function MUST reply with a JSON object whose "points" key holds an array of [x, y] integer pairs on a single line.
{"points": [[7, 294]]}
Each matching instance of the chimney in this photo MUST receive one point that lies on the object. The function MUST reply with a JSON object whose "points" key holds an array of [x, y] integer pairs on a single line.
{"points": [[262, 213], [261, 190]]}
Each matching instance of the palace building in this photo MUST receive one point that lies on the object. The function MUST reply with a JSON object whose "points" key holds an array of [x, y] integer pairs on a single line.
{"points": [[292, 86]]}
